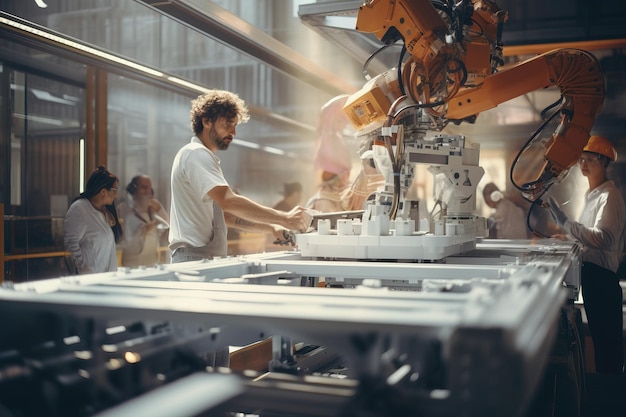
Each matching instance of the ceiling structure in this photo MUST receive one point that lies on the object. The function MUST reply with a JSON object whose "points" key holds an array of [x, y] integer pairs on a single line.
{"points": [[213, 20], [533, 26]]}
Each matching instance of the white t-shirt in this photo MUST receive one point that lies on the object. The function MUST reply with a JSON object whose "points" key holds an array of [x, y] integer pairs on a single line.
{"points": [[89, 238], [195, 171]]}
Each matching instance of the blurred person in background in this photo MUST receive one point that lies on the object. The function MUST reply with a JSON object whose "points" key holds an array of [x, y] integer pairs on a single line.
{"points": [[144, 221], [292, 195], [600, 231], [508, 220], [91, 226], [202, 203], [333, 159]]}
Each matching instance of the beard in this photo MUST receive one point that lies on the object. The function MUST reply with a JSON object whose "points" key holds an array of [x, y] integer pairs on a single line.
{"points": [[221, 142]]}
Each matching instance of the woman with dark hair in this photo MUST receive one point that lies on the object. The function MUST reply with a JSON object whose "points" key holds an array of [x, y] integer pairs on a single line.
{"points": [[91, 225]]}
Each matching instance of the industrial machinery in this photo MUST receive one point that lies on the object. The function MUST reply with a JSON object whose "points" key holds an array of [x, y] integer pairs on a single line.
{"points": [[396, 227], [453, 74], [454, 70], [416, 316], [381, 338]]}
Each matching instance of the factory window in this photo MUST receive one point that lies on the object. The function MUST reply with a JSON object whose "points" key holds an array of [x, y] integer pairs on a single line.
{"points": [[41, 138]]}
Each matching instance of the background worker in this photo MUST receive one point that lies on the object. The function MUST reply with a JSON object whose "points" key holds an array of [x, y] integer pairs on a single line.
{"points": [[292, 196], [600, 230], [333, 159], [145, 219], [202, 203], [91, 227], [508, 220]]}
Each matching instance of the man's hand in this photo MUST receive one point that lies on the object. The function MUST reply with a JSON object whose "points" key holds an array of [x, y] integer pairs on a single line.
{"points": [[283, 236], [558, 215], [298, 219]]}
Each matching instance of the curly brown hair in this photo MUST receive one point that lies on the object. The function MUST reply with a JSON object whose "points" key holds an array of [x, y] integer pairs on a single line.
{"points": [[216, 104]]}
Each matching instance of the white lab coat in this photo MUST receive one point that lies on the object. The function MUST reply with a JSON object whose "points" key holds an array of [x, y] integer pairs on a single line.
{"points": [[89, 238]]}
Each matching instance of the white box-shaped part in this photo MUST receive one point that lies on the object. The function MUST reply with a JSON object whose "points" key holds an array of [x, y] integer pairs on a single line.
{"points": [[344, 227], [404, 227], [323, 226]]}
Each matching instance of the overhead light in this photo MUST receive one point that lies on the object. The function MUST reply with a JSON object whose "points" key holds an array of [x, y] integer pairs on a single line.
{"points": [[188, 84], [46, 96], [81, 165], [276, 151], [246, 144], [39, 119], [81, 47], [41, 4]]}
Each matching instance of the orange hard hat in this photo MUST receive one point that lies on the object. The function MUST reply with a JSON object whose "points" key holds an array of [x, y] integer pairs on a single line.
{"points": [[601, 145]]}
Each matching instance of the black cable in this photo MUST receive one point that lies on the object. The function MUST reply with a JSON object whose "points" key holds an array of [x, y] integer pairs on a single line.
{"points": [[545, 111], [461, 67], [400, 83], [419, 106], [534, 204], [373, 55], [482, 30], [529, 142], [532, 138]]}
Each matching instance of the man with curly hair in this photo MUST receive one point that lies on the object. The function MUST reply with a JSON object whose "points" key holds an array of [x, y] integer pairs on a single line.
{"points": [[202, 203]]}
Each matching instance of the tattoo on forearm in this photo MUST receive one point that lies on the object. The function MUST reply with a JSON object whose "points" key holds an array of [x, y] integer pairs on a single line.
{"points": [[243, 222]]}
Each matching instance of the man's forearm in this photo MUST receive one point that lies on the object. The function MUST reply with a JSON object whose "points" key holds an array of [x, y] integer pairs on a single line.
{"points": [[255, 213], [247, 225]]}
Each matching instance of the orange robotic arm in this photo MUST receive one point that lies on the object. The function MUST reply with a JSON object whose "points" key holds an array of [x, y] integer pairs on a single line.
{"points": [[452, 73], [450, 46], [578, 75], [394, 20]]}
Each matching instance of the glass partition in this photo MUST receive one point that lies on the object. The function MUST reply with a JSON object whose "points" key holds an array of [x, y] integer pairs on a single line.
{"points": [[47, 126], [146, 123]]}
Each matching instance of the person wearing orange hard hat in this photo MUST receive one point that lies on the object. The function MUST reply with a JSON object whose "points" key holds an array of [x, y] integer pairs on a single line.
{"points": [[600, 230]]}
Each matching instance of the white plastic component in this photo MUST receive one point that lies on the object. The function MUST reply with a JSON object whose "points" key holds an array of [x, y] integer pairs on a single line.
{"points": [[393, 245], [440, 228], [382, 162], [344, 227], [389, 130], [323, 226], [404, 227], [375, 221], [496, 196]]}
